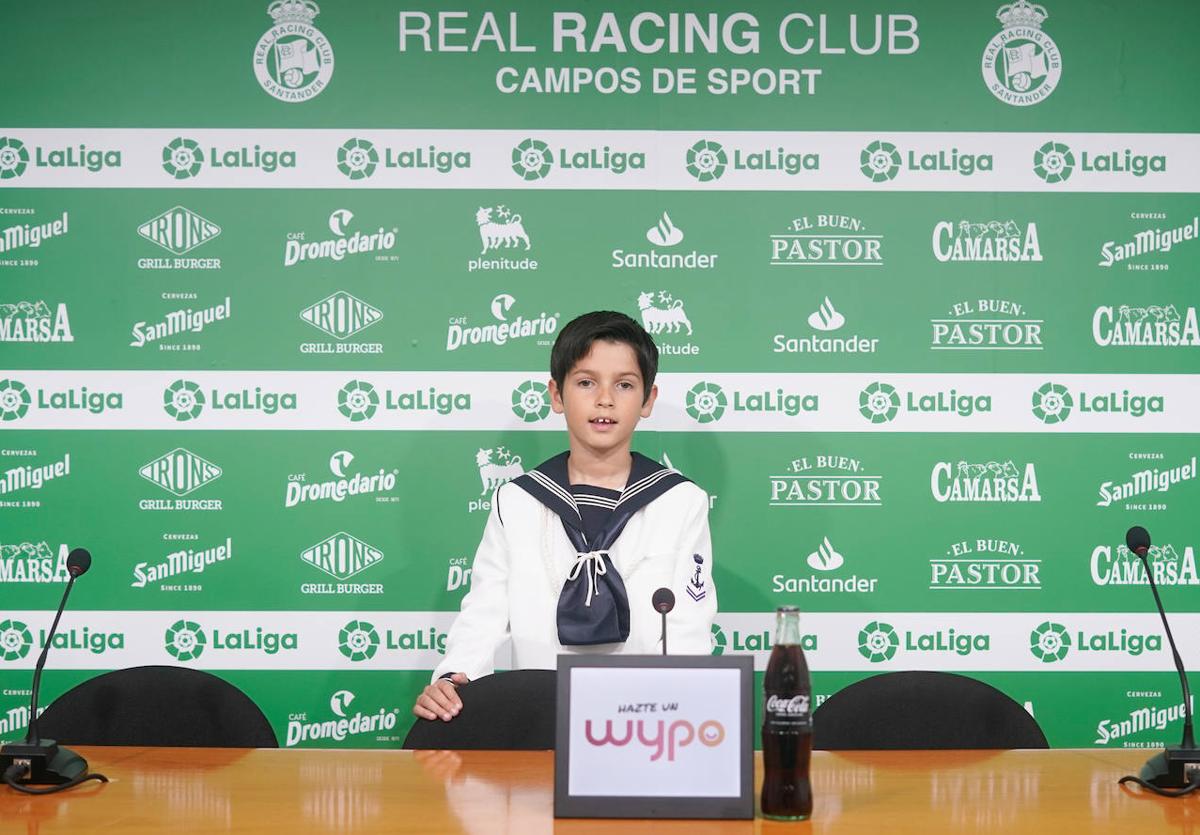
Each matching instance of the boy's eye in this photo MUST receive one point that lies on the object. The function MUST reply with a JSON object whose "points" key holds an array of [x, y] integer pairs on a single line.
{"points": [[583, 383], [625, 385]]}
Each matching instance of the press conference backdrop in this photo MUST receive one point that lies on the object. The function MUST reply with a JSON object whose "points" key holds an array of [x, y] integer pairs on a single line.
{"points": [[278, 286]]}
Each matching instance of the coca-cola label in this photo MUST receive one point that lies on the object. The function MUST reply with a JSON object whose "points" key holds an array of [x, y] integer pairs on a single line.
{"points": [[787, 714]]}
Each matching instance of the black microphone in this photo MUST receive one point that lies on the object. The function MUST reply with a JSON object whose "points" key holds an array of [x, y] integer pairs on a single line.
{"points": [[1166, 773], [41, 761], [664, 601]]}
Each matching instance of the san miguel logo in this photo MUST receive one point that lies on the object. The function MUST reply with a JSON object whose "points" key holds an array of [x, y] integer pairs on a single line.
{"points": [[1150, 480], [31, 235], [293, 61], [1156, 240], [1021, 65]]}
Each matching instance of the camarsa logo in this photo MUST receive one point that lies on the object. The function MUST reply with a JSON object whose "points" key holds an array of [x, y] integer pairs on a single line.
{"points": [[293, 61], [984, 481], [1145, 326], [26, 321], [986, 241]]}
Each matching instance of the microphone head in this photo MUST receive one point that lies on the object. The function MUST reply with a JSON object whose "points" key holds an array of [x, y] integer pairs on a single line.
{"points": [[1137, 540], [78, 562], [663, 600]]}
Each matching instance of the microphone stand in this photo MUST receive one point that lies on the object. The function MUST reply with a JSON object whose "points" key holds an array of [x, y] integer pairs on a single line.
{"points": [[1166, 773], [42, 761]]}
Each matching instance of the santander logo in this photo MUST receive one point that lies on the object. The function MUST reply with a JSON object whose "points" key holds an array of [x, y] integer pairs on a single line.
{"points": [[679, 734]]}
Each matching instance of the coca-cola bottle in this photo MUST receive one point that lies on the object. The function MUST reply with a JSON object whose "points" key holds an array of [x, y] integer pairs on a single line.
{"points": [[787, 724]]}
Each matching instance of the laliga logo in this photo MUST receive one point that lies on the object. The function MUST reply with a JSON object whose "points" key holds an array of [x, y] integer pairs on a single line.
{"points": [[680, 734]]}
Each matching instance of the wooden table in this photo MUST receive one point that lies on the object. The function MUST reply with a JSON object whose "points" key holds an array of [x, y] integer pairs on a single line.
{"points": [[175, 790]]}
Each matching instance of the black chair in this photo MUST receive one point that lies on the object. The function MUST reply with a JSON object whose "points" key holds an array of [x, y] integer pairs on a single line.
{"points": [[923, 710], [505, 711], [171, 706]]}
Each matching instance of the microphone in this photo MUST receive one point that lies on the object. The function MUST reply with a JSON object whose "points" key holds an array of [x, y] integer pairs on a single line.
{"points": [[663, 601], [1166, 773], [41, 761]]}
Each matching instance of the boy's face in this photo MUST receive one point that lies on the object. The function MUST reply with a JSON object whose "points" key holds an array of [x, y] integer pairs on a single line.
{"points": [[602, 397]]}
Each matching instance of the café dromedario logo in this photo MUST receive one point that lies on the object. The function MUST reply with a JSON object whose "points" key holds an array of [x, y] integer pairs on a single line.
{"points": [[293, 60], [1021, 64]]}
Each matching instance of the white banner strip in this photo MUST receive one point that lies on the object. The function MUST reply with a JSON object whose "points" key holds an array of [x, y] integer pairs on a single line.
{"points": [[835, 641], [643, 160], [510, 401]]}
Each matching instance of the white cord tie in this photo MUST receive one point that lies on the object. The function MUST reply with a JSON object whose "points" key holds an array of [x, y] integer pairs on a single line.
{"points": [[593, 563]]}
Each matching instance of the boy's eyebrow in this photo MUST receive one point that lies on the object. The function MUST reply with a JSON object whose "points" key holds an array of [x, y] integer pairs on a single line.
{"points": [[582, 370]]}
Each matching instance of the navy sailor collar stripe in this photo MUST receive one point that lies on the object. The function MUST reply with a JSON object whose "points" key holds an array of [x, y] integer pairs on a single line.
{"points": [[593, 607]]}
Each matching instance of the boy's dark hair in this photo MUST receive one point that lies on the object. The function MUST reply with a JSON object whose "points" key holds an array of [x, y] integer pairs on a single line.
{"points": [[576, 338]]}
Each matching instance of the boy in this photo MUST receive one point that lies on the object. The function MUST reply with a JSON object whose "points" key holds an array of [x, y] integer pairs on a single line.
{"points": [[574, 550]]}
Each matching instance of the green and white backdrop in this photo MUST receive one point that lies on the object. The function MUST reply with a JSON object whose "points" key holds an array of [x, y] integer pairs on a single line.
{"points": [[278, 286]]}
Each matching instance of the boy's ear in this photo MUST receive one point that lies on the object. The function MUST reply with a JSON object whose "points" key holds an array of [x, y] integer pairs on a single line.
{"points": [[648, 406], [556, 402]]}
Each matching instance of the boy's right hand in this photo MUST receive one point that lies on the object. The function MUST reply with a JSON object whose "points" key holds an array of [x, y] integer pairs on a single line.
{"points": [[440, 700]]}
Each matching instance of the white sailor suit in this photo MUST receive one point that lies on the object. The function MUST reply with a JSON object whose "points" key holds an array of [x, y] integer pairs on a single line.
{"points": [[537, 579]]}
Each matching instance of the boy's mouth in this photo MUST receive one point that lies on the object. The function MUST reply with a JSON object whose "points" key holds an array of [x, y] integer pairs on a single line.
{"points": [[603, 421]]}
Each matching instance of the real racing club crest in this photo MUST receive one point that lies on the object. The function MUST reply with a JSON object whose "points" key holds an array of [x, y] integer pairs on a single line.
{"points": [[1021, 65], [293, 60]]}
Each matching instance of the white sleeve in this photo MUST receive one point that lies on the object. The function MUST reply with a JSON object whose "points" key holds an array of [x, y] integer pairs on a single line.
{"points": [[482, 622], [689, 626]]}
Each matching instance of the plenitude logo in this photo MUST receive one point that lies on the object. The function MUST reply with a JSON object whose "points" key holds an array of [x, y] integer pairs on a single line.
{"points": [[15, 157], [507, 327], [180, 472], [664, 233], [880, 403], [358, 401], [293, 60], [534, 159], [297, 248], [31, 235], [707, 402], [987, 482], [342, 316], [827, 240], [827, 319], [501, 227], [826, 481], [181, 562], [181, 321], [663, 316], [985, 241], [179, 230], [707, 160], [343, 485], [1022, 64], [1121, 567], [1151, 480], [342, 556], [184, 158], [358, 158], [985, 564], [34, 321], [825, 558], [986, 325], [1148, 326], [882, 161], [497, 465]]}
